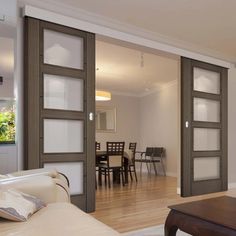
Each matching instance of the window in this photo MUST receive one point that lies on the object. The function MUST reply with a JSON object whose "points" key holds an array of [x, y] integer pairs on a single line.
{"points": [[7, 121]]}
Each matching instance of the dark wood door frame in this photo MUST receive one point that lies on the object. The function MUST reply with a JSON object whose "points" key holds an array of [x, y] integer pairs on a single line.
{"points": [[34, 111], [188, 186]]}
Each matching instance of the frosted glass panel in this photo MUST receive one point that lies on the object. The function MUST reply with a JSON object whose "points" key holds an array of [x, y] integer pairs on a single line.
{"points": [[63, 49], [73, 171], [63, 136], [206, 139], [206, 110], [63, 93], [206, 81], [206, 168]]}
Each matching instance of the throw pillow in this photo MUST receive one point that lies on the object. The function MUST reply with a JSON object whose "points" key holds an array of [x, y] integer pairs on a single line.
{"points": [[3, 177], [18, 206]]}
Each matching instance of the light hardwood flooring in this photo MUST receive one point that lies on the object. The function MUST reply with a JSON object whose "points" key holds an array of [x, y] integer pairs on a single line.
{"points": [[142, 204]]}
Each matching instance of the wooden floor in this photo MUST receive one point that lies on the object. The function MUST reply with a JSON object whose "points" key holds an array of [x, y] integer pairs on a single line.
{"points": [[142, 204]]}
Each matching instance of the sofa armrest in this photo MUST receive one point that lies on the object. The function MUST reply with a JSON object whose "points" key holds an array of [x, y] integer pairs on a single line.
{"points": [[41, 171], [43, 187], [34, 172]]}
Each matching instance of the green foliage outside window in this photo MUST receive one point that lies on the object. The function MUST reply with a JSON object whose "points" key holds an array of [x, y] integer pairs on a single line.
{"points": [[7, 124]]}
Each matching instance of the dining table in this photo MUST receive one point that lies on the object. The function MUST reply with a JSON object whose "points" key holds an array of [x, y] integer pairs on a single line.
{"points": [[101, 155]]}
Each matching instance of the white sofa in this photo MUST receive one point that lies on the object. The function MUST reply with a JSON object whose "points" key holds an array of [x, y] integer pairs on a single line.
{"points": [[59, 217]]}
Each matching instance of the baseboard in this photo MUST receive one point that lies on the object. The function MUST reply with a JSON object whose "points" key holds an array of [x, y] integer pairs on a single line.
{"points": [[171, 174], [232, 185], [178, 191]]}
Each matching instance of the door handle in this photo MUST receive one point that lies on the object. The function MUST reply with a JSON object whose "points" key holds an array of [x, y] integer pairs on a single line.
{"points": [[91, 116], [186, 124]]}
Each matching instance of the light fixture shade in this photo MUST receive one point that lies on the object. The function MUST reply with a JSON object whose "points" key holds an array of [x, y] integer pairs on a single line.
{"points": [[103, 95]]}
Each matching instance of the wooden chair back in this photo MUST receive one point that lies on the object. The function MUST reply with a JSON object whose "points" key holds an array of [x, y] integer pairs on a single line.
{"points": [[132, 147], [97, 146], [149, 151], [158, 152], [115, 154]]}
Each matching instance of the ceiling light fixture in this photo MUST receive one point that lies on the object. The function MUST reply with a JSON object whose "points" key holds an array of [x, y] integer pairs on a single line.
{"points": [[103, 95]]}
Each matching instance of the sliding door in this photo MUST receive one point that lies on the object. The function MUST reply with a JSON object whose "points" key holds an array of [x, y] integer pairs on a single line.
{"points": [[204, 128], [59, 102]]}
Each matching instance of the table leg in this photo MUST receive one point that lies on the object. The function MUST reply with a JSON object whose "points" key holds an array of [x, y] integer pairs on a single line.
{"points": [[116, 176], [99, 177], [170, 227]]}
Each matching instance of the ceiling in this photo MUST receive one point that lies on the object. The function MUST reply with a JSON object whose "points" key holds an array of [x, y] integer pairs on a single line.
{"points": [[206, 24], [133, 72]]}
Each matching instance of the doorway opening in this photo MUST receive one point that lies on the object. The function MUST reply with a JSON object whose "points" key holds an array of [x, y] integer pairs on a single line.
{"points": [[144, 108]]}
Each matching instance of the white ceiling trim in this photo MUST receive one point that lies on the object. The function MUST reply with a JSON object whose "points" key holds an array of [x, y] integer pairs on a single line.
{"points": [[108, 32]]}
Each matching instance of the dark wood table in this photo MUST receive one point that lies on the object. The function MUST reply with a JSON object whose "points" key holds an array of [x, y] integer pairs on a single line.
{"points": [[210, 217]]}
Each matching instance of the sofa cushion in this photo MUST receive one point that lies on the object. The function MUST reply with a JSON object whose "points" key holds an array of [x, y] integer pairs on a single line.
{"points": [[58, 219], [18, 206], [42, 187]]}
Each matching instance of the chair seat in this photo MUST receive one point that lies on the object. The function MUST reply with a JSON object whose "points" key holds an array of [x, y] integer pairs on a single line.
{"points": [[104, 165], [147, 160]]}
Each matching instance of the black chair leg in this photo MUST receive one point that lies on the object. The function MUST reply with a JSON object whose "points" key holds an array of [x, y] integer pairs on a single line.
{"points": [[100, 177], [96, 181], [105, 173], [163, 167], [109, 179], [122, 176], [135, 174], [130, 173], [155, 168]]}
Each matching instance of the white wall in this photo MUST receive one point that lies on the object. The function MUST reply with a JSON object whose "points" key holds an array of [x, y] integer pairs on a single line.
{"points": [[7, 88], [127, 120], [159, 124], [232, 126], [8, 161], [8, 9], [8, 152], [19, 83]]}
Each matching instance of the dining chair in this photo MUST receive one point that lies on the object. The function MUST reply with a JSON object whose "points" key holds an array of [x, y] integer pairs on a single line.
{"points": [[114, 163], [152, 155], [98, 146], [144, 158], [131, 166], [157, 157]]}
